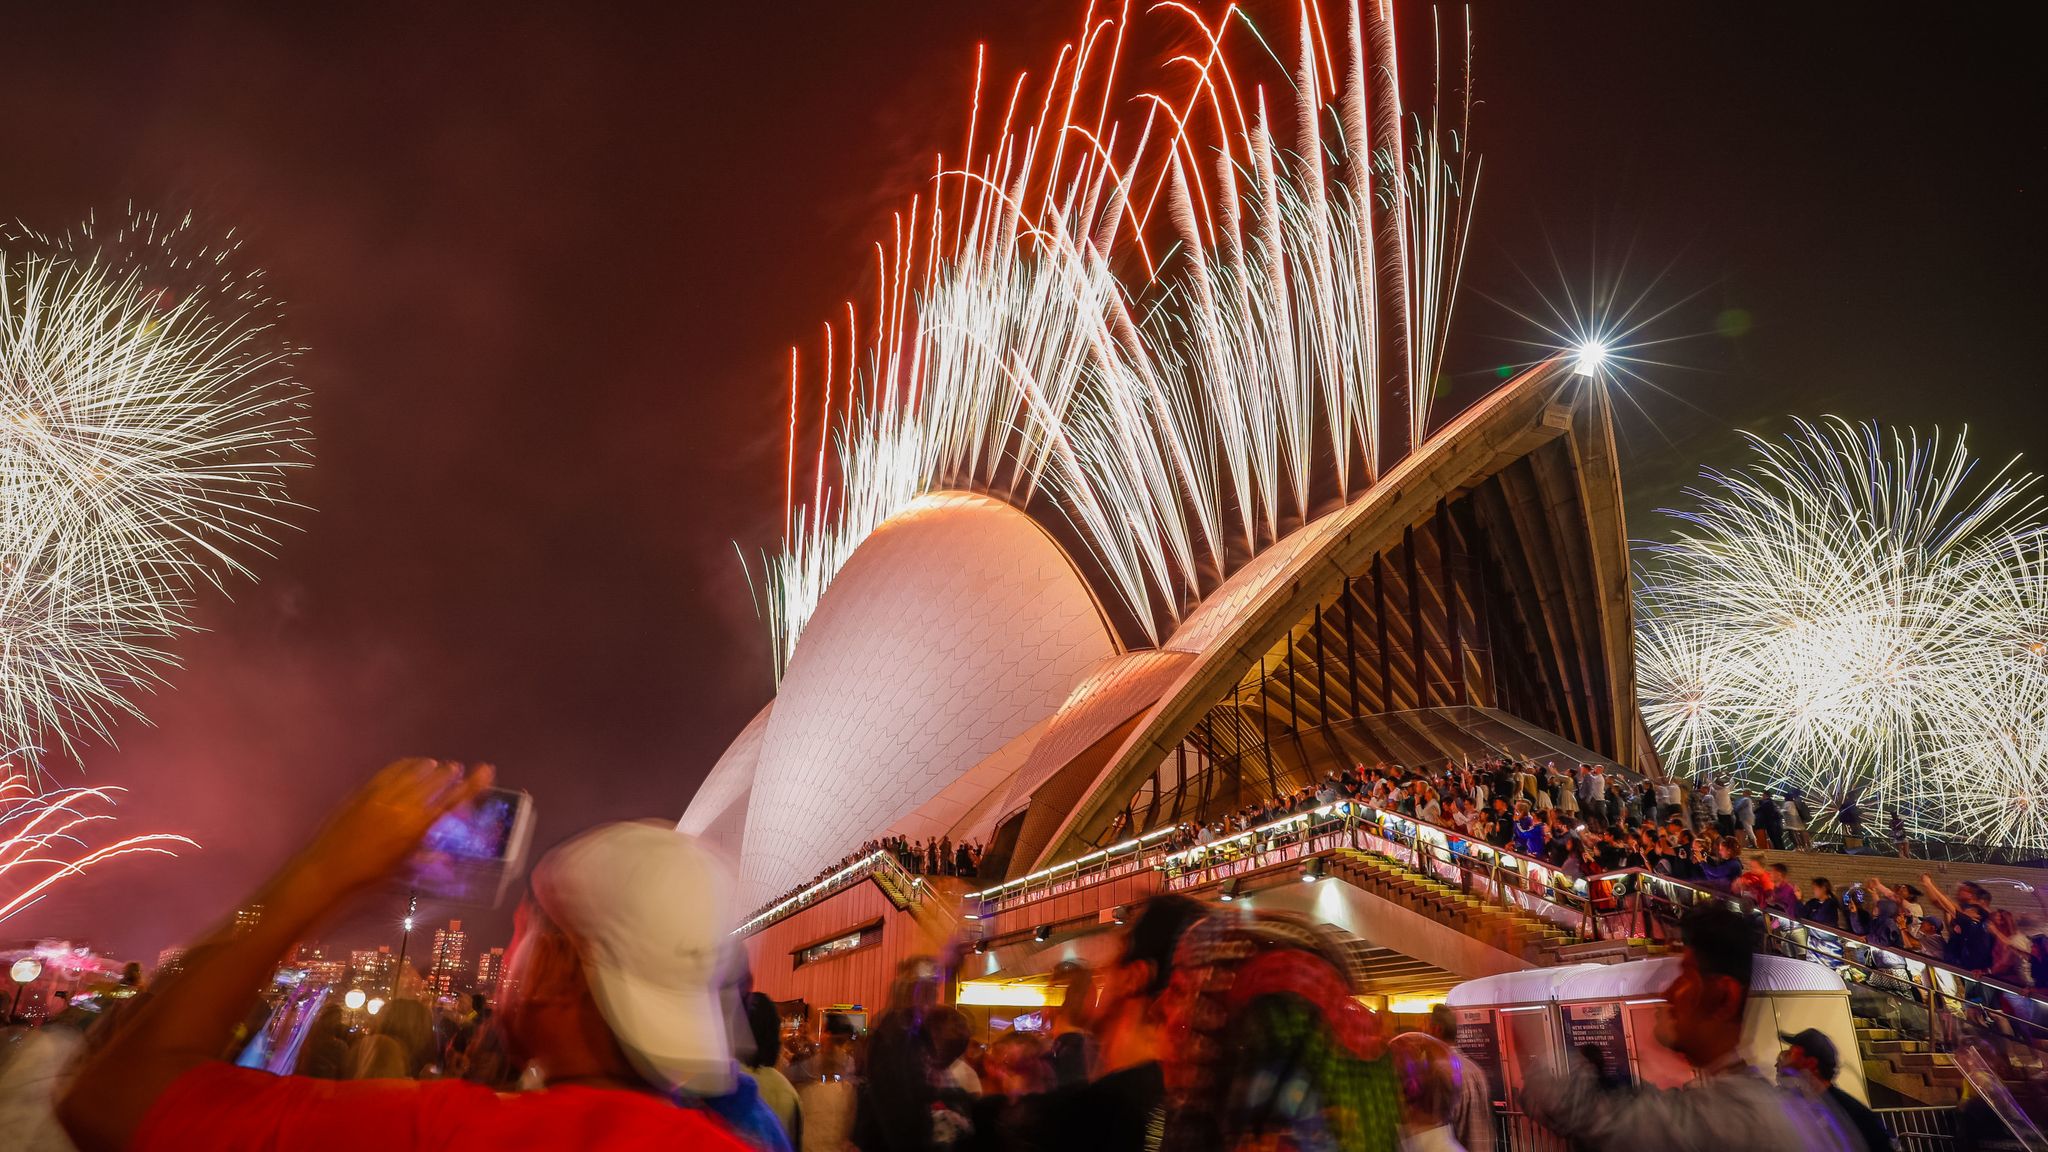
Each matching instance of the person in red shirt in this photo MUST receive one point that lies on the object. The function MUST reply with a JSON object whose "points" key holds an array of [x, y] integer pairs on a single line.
{"points": [[614, 966]]}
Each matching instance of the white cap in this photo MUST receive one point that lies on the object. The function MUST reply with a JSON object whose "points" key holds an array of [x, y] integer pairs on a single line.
{"points": [[648, 909]]}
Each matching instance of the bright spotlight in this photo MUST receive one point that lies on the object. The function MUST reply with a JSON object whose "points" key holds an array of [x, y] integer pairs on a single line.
{"points": [[1592, 354], [354, 999], [375, 1005]]}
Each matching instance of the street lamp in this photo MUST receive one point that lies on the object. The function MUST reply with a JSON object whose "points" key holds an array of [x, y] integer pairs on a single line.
{"points": [[412, 908], [376, 1005], [354, 1000], [24, 973]]}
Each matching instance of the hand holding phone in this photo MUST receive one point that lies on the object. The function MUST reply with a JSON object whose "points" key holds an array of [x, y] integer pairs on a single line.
{"points": [[471, 853]]}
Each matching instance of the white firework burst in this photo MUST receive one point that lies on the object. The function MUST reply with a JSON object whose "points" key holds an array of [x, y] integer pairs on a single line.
{"points": [[148, 422], [1856, 614], [1182, 321]]}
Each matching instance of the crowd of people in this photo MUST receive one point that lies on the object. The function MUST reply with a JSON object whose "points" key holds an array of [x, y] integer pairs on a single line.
{"points": [[630, 1022], [938, 856], [1587, 822], [1535, 808]]}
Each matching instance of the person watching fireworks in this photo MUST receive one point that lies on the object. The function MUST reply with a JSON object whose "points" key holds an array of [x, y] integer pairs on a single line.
{"points": [[616, 1003]]}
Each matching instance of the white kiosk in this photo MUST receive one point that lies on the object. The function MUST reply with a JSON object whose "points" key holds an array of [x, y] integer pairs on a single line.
{"points": [[1508, 1024]]}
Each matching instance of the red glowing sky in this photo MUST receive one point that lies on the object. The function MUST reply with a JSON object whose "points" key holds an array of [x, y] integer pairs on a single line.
{"points": [[548, 266]]}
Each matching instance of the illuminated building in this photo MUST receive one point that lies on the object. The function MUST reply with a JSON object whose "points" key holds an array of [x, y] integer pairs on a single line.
{"points": [[489, 964], [372, 968], [444, 967], [1082, 578], [169, 962]]}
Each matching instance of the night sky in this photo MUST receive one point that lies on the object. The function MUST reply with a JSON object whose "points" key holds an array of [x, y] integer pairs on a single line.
{"points": [[548, 267]]}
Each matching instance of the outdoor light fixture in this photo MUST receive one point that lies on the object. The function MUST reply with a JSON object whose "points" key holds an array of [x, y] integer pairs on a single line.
{"points": [[1229, 892], [354, 999], [1312, 871], [23, 972], [375, 1005], [1042, 933], [1120, 913], [1592, 354]]}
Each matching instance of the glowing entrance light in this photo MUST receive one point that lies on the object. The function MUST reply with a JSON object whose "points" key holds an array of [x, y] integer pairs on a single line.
{"points": [[1592, 354]]}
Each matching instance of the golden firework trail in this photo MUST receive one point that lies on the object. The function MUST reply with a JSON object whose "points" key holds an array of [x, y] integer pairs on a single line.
{"points": [[43, 838]]}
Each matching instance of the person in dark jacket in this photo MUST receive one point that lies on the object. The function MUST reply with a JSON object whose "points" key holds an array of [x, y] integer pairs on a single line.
{"points": [[1823, 907], [1809, 1063]]}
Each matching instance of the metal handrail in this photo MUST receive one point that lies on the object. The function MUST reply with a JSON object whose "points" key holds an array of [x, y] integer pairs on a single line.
{"points": [[1623, 905], [912, 887], [1507, 878]]}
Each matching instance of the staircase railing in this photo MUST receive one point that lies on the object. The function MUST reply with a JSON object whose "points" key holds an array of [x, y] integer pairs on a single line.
{"points": [[905, 890], [1927, 997]]}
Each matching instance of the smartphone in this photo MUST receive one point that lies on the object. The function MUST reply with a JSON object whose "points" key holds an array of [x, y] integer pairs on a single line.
{"points": [[471, 854]]}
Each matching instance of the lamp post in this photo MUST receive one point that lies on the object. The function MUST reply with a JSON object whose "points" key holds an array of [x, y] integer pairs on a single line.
{"points": [[23, 973], [412, 907]]}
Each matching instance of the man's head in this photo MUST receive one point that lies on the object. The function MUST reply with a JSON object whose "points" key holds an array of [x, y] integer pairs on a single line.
{"points": [[764, 1027], [947, 1032], [1810, 1053], [1443, 1022], [1970, 893], [838, 1034], [1145, 970], [1702, 1015], [615, 960]]}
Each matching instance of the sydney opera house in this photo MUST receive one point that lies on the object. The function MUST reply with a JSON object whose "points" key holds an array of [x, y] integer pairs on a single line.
{"points": [[960, 678], [1141, 509]]}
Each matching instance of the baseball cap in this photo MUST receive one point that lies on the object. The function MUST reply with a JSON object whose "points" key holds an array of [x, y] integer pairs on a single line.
{"points": [[648, 910], [1815, 1043]]}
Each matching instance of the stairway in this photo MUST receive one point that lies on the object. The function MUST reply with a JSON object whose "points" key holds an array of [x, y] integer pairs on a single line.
{"points": [[1521, 934], [1911, 1068]]}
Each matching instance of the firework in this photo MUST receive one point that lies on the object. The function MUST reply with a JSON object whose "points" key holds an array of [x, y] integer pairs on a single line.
{"points": [[1857, 614], [43, 838], [147, 426], [1184, 312]]}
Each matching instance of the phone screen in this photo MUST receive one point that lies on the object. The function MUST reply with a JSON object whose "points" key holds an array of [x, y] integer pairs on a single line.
{"points": [[471, 854], [479, 830]]}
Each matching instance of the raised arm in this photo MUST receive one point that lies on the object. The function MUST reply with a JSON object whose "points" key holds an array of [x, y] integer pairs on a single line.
{"points": [[1934, 893], [192, 1018]]}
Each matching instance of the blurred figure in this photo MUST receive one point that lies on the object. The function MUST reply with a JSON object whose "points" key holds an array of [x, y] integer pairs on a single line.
{"points": [[1809, 1064], [825, 1088], [1277, 1050], [950, 1037], [1018, 1064], [1472, 1115], [31, 1081], [739, 1102], [1731, 1106], [614, 958], [1425, 1068], [324, 1056], [1072, 1051], [955, 1085], [899, 1091], [399, 1047], [776, 1091]]}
